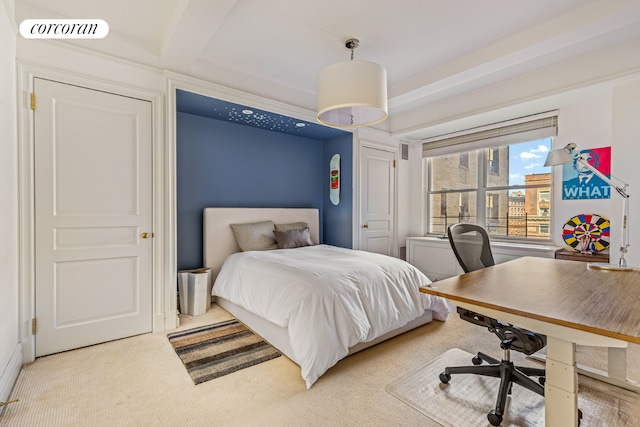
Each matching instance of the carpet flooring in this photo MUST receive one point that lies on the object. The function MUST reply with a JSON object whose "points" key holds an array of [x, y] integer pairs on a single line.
{"points": [[222, 348], [139, 381]]}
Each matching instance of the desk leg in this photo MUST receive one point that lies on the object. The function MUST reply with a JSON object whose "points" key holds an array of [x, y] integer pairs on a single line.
{"points": [[615, 374], [617, 363], [561, 385]]}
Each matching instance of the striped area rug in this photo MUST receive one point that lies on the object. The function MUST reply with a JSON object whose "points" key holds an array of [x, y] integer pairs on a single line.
{"points": [[220, 349]]}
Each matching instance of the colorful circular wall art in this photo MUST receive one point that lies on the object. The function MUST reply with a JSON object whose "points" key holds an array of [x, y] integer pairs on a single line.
{"points": [[587, 233]]}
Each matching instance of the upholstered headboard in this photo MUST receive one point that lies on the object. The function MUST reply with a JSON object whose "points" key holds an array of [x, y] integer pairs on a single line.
{"points": [[219, 241]]}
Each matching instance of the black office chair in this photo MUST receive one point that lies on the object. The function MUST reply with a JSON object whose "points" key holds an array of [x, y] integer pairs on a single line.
{"points": [[470, 244]]}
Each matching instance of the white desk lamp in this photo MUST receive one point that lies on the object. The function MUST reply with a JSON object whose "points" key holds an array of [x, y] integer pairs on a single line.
{"points": [[566, 155]]}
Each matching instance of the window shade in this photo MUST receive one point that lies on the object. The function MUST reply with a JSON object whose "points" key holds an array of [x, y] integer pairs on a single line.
{"points": [[514, 131]]}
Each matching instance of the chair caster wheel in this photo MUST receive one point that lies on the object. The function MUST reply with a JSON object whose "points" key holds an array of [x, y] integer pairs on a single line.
{"points": [[494, 419], [445, 378], [476, 360]]}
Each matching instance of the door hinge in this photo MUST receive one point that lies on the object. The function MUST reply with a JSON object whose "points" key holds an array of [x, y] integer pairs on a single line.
{"points": [[33, 101], [34, 326], [394, 164]]}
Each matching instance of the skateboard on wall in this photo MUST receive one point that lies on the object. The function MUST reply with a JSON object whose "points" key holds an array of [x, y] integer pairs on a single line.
{"points": [[334, 189]]}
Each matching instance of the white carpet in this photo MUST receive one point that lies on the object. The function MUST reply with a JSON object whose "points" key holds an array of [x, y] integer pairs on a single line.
{"points": [[139, 381], [467, 399]]}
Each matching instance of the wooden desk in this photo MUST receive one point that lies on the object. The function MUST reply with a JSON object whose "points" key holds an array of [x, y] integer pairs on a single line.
{"points": [[616, 372], [568, 302]]}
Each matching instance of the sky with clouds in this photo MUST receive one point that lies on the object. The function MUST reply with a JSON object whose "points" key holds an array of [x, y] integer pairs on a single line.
{"points": [[527, 158]]}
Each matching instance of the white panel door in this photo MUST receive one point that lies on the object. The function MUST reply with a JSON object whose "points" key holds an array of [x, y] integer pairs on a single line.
{"points": [[377, 200], [93, 189]]}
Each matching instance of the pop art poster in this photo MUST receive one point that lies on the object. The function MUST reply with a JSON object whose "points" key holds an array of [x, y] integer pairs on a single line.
{"points": [[578, 182]]}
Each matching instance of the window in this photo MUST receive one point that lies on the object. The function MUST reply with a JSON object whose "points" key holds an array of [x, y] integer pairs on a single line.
{"points": [[503, 187], [493, 210], [443, 204], [464, 205], [494, 161], [464, 160], [544, 203]]}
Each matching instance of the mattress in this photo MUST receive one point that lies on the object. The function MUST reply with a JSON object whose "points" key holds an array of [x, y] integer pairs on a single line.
{"points": [[328, 299]]}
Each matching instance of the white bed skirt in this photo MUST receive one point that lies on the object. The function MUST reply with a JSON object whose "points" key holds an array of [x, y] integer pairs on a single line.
{"points": [[278, 336]]}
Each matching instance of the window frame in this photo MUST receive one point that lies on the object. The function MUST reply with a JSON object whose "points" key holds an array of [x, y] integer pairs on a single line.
{"points": [[463, 161], [481, 193], [493, 161]]}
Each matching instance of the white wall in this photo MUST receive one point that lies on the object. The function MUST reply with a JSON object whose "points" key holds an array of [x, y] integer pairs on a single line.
{"points": [[597, 96], [55, 61], [589, 126], [10, 349], [609, 118], [625, 165]]}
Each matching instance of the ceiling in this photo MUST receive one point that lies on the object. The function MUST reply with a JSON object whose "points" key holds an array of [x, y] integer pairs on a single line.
{"points": [[204, 106], [432, 49]]}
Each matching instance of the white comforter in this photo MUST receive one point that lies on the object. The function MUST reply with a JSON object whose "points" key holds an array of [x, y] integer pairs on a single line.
{"points": [[328, 298]]}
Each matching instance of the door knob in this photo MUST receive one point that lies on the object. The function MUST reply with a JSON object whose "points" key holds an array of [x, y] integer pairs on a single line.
{"points": [[144, 235], [365, 226]]}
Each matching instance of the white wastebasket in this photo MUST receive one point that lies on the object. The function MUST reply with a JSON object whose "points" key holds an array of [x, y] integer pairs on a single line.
{"points": [[195, 291]]}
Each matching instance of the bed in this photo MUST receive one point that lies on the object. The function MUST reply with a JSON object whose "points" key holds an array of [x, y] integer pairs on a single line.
{"points": [[314, 318]]}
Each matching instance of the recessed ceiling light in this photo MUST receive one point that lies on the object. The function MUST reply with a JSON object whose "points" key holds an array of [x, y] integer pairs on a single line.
{"points": [[300, 125], [247, 111]]}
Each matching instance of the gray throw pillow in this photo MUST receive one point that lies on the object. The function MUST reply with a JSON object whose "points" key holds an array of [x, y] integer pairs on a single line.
{"points": [[295, 238], [291, 226]]}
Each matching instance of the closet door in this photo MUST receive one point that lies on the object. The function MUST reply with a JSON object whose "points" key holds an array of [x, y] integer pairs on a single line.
{"points": [[93, 216], [377, 200]]}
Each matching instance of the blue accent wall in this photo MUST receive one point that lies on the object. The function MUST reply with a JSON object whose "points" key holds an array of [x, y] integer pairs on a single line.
{"points": [[337, 219], [224, 164]]}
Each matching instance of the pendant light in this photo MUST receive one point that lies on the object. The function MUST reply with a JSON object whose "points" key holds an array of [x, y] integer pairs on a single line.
{"points": [[352, 93]]}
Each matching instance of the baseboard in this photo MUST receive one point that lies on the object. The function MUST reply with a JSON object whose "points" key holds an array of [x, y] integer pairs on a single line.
{"points": [[29, 349], [165, 321], [9, 375]]}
